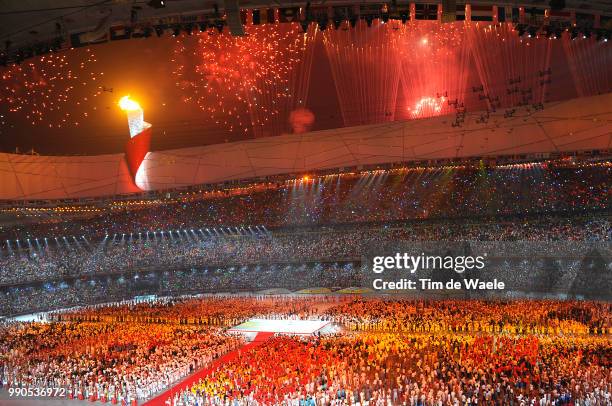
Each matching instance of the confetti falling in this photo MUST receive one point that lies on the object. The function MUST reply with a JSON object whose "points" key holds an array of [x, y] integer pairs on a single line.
{"points": [[247, 83], [54, 90]]}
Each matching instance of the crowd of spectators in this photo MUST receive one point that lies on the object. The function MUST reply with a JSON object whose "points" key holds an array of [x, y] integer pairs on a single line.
{"points": [[195, 249], [23, 299], [63, 275], [321, 221], [375, 196]]}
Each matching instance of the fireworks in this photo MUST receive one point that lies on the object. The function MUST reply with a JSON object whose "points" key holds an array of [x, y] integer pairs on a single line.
{"points": [[427, 107], [258, 84], [435, 65], [54, 90], [248, 83]]}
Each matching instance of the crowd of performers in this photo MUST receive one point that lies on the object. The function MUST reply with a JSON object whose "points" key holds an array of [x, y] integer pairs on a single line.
{"points": [[387, 352], [421, 369], [108, 361]]}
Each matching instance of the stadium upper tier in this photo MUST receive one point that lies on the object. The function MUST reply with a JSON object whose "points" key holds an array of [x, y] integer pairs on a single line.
{"points": [[371, 196], [287, 234], [583, 124], [51, 274]]}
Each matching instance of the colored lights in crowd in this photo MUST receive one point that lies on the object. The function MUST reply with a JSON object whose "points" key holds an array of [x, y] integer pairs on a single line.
{"points": [[213, 193]]}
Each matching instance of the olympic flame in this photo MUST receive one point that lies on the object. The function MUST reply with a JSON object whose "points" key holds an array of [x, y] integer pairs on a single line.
{"points": [[127, 104], [135, 115]]}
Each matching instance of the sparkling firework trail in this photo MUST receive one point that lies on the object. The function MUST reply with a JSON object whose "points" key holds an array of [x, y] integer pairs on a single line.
{"points": [[435, 65], [248, 83], [54, 90]]}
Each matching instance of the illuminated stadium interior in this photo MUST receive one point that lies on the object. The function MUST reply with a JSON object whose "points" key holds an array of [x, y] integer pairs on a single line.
{"points": [[319, 203]]}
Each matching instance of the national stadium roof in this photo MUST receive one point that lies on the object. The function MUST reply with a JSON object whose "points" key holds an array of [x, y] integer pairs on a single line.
{"points": [[583, 124], [30, 22]]}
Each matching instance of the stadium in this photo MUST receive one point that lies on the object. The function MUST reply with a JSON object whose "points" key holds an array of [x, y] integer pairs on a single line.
{"points": [[317, 203]]}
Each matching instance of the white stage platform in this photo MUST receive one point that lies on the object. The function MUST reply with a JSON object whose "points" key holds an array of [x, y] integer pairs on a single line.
{"points": [[299, 327]]}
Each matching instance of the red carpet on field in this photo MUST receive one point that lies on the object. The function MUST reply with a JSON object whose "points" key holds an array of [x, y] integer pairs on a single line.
{"points": [[160, 400]]}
